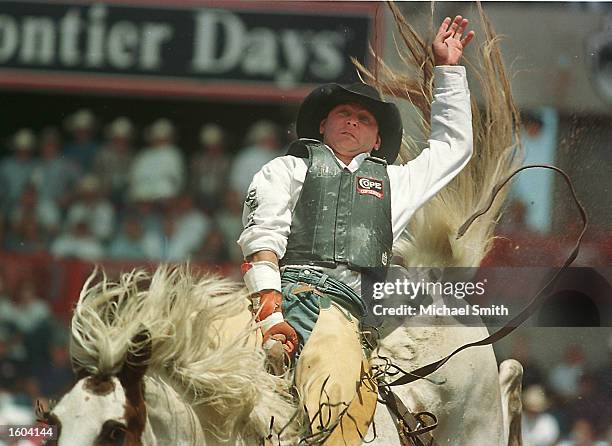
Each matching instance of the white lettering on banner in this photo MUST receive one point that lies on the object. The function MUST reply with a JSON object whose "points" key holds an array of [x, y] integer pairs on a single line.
{"points": [[224, 42], [205, 41], [260, 51], [70, 26], [9, 37], [38, 46], [95, 36], [153, 35], [260, 54], [329, 60], [296, 56], [122, 40]]}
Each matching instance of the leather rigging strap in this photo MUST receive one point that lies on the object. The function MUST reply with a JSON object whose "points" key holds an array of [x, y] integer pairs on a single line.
{"points": [[535, 302], [412, 428]]}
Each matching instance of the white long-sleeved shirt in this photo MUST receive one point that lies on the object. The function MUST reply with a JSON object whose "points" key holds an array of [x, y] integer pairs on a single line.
{"points": [[275, 189]]}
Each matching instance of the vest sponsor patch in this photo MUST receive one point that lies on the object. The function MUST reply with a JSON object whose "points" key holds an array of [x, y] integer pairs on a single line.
{"points": [[370, 186]]}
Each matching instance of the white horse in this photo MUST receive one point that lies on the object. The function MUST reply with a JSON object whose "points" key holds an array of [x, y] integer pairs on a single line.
{"points": [[176, 360]]}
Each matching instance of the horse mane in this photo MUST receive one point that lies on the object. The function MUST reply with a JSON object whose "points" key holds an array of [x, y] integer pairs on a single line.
{"points": [[225, 382], [430, 239]]}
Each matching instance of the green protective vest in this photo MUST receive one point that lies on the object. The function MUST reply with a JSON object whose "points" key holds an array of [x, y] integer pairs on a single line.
{"points": [[340, 217]]}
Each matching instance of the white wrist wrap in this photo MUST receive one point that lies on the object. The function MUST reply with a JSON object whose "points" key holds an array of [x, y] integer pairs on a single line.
{"points": [[272, 320], [262, 275], [270, 342]]}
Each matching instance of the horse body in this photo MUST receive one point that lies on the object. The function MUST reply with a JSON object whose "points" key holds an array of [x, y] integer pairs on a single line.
{"points": [[464, 394], [148, 403]]}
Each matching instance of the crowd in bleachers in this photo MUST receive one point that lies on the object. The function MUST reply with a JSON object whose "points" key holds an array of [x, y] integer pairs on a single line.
{"points": [[567, 404], [88, 192]]}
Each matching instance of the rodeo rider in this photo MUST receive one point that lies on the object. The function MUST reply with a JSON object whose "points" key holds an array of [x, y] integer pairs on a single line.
{"points": [[335, 204]]}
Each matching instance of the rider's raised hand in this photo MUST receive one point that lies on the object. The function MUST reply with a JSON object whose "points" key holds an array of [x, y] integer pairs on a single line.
{"points": [[450, 41]]}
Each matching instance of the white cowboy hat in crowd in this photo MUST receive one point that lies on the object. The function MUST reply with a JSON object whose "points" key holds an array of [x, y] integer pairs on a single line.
{"points": [[534, 399], [24, 139], [211, 134], [121, 127], [82, 119], [160, 129], [261, 130], [89, 183]]}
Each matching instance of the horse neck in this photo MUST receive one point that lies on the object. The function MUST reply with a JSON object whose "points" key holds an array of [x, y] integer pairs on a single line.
{"points": [[170, 419]]}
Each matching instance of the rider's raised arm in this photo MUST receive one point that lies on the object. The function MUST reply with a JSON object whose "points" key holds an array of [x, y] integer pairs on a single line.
{"points": [[451, 143]]}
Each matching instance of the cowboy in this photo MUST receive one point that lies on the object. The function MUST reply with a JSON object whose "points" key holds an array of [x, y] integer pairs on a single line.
{"points": [[333, 206]]}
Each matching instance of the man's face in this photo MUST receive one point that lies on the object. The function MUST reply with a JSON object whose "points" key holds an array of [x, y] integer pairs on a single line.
{"points": [[350, 129]]}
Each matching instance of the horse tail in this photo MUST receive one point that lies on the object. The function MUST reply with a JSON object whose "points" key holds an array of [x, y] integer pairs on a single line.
{"points": [[430, 239]]}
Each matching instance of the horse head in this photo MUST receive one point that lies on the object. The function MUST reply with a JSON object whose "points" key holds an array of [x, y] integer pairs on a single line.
{"points": [[105, 410]]}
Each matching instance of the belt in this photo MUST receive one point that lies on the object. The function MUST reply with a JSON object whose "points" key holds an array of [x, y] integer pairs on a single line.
{"points": [[338, 291]]}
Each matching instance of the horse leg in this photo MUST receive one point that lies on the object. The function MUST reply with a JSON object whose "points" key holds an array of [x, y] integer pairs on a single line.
{"points": [[510, 377]]}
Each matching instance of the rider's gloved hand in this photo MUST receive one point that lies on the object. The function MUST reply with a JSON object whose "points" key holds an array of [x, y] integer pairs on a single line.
{"points": [[267, 307]]}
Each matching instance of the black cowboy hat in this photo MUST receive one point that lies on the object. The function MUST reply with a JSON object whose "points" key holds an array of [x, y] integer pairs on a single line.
{"points": [[321, 100]]}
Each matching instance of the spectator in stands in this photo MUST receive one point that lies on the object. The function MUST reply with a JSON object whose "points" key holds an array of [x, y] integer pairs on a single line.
{"points": [[10, 367], [192, 224], [55, 377], [539, 427], [591, 404], [229, 221], [11, 413], [77, 241], [565, 377], [55, 177], [32, 208], [262, 145], [31, 316], [158, 172], [113, 161], [92, 206], [183, 231], [84, 146], [209, 168], [2, 230], [28, 312], [583, 434], [521, 351], [604, 382], [214, 249], [5, 304], [27, 237], [129, 243], [16, 170], [167, 244]]}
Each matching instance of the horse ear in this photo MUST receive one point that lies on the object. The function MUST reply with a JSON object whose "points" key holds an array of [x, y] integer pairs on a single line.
{"points": [[137, 358]]}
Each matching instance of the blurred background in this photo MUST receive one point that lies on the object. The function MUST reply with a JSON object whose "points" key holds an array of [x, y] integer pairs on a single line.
{"points": [[130, 131]]}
